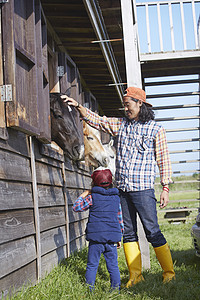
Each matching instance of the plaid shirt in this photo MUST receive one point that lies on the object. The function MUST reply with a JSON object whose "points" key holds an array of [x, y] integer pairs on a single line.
{"points": [[82, 204], [140, 147]]}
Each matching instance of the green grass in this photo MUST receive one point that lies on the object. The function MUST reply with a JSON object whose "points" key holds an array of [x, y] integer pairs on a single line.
{"points": [[67, 281], [178, 192]]}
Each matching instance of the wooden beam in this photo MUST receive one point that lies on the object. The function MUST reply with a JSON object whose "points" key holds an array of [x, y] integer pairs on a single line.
{"points": [[66, 209], [185, 161], [133, 70], [175, 106], [184, 151], [3, 130], [195, 93], [36, 207], [177, 118], [184, 81], [73, 29], [183, 129], [184, 140]]}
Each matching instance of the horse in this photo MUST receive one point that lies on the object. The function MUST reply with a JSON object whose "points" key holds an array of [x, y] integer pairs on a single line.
{"points": [[64, 130], [95, 154], [111, 152]]}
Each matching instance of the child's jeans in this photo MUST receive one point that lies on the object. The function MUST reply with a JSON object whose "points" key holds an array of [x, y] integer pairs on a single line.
{"points": [[110, 253]]}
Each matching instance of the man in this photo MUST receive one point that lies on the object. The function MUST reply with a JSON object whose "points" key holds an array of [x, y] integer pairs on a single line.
{"points": [[141, 144]]}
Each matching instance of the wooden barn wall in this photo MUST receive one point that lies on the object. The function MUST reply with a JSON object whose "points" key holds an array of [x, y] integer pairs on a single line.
{"points": [[38, 184], [56, 195]]}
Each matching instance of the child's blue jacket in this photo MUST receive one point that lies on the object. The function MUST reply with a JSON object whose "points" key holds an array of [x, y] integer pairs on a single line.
{"points": [[103, 224]]}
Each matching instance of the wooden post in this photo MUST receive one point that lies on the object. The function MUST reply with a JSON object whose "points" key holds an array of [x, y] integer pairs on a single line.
{"points": [[3, 130], [133, 70], [66, 209], [133, 73], [36, 207]]}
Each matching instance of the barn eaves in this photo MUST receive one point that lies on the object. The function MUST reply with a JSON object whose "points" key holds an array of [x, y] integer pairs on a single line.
{"points": [[90, 31], [97, 21]]}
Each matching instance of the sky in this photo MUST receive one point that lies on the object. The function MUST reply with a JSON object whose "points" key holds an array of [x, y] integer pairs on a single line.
{"points": [[190, 87]]}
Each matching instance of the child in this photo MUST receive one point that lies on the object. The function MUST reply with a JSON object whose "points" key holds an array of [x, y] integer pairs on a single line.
{"points": [[105, 225]]}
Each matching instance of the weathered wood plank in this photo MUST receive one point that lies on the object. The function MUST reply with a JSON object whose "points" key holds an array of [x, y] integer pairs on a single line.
{"points": [[77, 216], [16, 254], [51, 154], [35, 207], [20, 69], [17, 143], [53, 239], [52, 175], [50, 196], [47, 174], [42, 85], [77, 229], [72, 195], [14, 167], [79, 167], [51, 217], [66, 211], [52, 259], [53, 78], [14, 195], [15, 280], [77, 180], [78, 244], [16, 224], [50, 151]]}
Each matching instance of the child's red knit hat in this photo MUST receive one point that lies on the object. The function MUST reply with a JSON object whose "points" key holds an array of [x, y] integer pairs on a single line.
{"points": [[102, 177]]}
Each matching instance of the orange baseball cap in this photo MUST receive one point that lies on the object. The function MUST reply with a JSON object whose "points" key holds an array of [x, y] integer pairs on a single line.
{"points": [[136, 93]]}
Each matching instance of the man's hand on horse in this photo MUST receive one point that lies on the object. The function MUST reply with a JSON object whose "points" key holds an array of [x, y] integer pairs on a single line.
{"points": [[70, 101]]}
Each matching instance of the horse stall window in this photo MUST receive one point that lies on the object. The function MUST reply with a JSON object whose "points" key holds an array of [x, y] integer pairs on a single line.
{"points": [[79, 87], [22, 45], [72, 78], [90, 101], [70, 83], [93, 103], [54, 86]]}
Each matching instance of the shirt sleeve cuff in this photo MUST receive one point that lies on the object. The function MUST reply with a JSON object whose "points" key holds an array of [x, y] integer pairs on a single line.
{"points": [[166, 181], [87, 117]]}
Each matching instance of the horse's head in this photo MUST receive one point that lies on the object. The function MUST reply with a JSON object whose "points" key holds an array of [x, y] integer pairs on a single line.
{"points": [[64, 129], [95, 153], [111, 152]]}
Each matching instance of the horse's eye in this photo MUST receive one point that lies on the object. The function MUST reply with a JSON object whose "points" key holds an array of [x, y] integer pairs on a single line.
{"points": [[89, 138], [112, 157], [59, 117]]}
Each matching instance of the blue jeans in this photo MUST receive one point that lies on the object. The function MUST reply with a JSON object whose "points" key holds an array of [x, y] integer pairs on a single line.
{"points": [[143, 203], [110, 254]]}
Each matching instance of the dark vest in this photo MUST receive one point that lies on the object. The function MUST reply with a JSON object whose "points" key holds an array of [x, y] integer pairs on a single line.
{"points": [[103, 225]]}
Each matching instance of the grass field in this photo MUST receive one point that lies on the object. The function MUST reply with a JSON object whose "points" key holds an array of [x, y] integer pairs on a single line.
{"points": [[67, 281], [184, 193]]}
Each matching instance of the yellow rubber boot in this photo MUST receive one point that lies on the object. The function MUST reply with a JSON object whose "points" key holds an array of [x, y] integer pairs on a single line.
{"points": [[164, 257], [134, 262]]}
